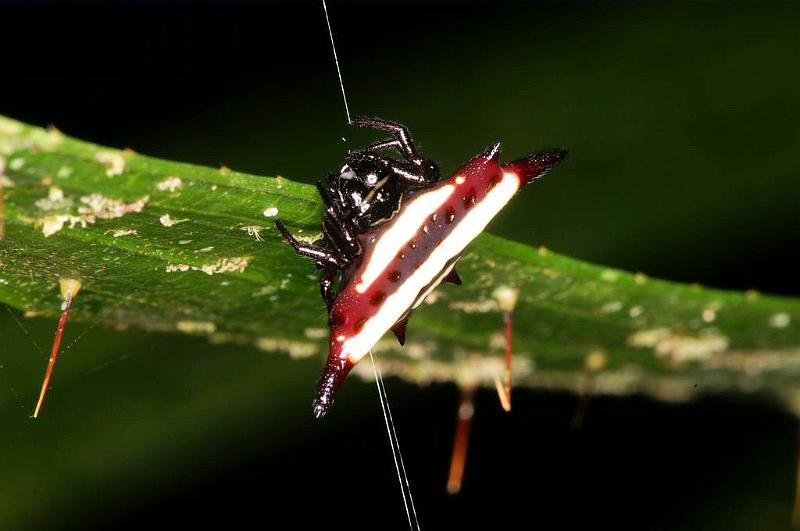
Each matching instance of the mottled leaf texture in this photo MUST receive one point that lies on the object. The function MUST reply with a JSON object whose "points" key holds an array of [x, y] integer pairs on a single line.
{"points": [[166, 246]]}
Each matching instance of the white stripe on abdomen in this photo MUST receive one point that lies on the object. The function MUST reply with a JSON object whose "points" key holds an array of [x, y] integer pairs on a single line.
{"points": [[473, 223], [407, 223]]}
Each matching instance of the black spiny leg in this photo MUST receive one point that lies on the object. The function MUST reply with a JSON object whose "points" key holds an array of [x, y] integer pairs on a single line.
{"points": [[334, 238], [335, 226], [409, 174], [402, 138], [326, 285], [309, 251], [418, 172]]}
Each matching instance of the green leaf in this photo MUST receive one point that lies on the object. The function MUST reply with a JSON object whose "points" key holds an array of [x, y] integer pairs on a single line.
{"points": [[166, 246]]}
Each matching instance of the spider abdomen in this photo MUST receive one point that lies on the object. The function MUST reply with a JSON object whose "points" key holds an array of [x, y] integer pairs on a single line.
{"points": [[405, 258], [392, 232]]}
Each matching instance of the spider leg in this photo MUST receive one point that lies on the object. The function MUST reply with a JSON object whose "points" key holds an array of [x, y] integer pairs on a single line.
{"points": [[336, 239], [333, 206], [325, 194], [333, 239], [407, 173], [402, 138], [349, 225], [385, 144], [309, 251], [326, 285]]}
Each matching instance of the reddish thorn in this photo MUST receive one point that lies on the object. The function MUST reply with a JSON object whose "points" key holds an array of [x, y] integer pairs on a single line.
{"points": [[466, 410], [506, 298], [503, 386], [582, 406], [595, 362], [69, 289]]}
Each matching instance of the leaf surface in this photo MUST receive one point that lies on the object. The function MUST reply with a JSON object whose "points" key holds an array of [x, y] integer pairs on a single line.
{"points": [[167, 246]]}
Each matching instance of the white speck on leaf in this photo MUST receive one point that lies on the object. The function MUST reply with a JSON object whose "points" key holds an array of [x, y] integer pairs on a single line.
{"points": [[9, 127], [609, 275], [119, 233], [224, 265], [636, 311], [780, 320], [679, 348], [54, 201], [296, 349], [315, 333], [167, 221], [271, 212], [611, 307], [481, 306], [114, 162], [52, 224], [64, 172], [102, 207], [95, 206], [471, 370], [307, 238], [196, 327], [170, 184], [16, 164], [265, 290]]}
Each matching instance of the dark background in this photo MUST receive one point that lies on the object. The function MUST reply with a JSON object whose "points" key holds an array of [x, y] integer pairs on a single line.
{"points": [[683, 125]]}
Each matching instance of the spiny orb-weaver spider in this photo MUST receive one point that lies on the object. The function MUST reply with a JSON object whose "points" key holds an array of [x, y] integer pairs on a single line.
{"points": [[393, 231]]}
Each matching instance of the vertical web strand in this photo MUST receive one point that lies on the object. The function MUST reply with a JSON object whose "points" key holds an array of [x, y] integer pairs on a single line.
{"points": [[405, 491], [399, 453], [336, 60], [394, 443]]}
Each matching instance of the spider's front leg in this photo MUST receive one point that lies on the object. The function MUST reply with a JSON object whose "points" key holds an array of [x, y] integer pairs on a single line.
{"points": [[401, 138], [319, 254], [419, 170]]}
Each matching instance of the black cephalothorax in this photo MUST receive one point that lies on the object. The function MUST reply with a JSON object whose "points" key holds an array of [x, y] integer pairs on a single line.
{"points": [[367, 191]]}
